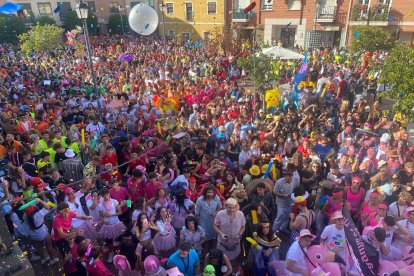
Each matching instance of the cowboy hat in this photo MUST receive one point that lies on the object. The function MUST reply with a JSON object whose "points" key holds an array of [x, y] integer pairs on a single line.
{"points": [[381, 163], [392, 153], [326, 184], [305, 233]]}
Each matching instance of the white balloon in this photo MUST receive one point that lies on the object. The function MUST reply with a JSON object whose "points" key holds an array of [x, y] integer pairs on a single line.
{"points": [[143, 19]]}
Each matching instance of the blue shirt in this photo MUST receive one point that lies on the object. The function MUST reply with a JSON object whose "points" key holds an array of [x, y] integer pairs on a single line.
{"points": [[186, 265]]}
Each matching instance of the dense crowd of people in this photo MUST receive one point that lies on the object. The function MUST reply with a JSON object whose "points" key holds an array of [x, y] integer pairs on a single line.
{"points": [[174, 166]]}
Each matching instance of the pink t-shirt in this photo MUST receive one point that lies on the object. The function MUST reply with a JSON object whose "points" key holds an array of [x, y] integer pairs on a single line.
{"points": [[119, 195], [98, 268], [64, 223]]}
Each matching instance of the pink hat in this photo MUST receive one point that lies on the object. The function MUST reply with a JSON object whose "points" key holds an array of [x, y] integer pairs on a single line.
{"points": [[121, 263], [69, 190], [408, 210], [152, 264], [174, 272], [304, 233], [141, 168]]}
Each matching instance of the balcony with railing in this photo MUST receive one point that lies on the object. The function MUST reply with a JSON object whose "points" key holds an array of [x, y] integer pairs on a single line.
{"points": [[326, 14], [238, 15], [375, 15]]}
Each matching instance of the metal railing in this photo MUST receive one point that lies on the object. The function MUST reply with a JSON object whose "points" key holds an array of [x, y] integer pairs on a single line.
{"points": [[327, 12], [239, 14]]}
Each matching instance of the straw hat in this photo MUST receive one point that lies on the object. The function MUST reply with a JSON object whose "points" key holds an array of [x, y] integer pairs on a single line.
{"points": [[326, 184]]}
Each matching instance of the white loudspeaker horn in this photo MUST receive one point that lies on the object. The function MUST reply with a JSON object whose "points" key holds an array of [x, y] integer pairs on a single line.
{"points": [[143, 19]]}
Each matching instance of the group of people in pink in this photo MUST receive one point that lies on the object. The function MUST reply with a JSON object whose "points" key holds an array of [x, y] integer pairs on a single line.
{"points": [[174, 167]]}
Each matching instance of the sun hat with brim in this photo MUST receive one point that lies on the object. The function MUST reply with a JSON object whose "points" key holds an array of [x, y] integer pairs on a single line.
{"points": [[69, 153], [392, 153], [121, 263], [254, 170], [326, 184], [305, 233], [337, 215]]}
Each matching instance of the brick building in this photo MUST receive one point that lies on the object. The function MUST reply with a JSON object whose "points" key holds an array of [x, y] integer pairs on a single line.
{"points": [[313, 23]]}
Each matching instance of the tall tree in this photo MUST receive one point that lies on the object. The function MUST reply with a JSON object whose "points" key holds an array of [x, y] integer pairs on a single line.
{"points": [[72, 21], [42, 38], [397, 73], [10, 28], [371, 38], [44, 20], [114, 23]]}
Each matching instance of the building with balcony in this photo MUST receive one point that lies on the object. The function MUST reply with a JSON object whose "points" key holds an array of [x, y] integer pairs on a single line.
{"points": [[395, 16], [318, 23], [188, 20]]}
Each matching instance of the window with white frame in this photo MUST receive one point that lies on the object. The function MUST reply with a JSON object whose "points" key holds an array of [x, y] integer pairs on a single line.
{"points": [[211, 7], [113, 7], [185, 37], [364, 2], [294, 5], [266, 5], [169, 8], [189, 10], [44, 8]]}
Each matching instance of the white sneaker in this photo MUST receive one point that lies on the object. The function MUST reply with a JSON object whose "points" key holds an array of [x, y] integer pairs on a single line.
{"points": [[45, 260], [34, 258], [111, 257], [53, 261]]}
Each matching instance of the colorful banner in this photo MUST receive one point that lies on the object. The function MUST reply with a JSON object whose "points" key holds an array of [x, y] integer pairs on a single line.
{"points": [[363, 255]]}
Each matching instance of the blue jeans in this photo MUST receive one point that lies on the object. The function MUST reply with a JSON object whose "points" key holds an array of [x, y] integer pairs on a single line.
{"points": [[282, 219]]}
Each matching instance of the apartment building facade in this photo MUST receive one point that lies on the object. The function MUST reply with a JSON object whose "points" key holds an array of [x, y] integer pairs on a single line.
{"points": [[317, 23]]}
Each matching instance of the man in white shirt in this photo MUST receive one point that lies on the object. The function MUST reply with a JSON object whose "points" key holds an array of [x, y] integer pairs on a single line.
{"points": [[95, 127], [333, 236], [398, 207], [296, 258]]}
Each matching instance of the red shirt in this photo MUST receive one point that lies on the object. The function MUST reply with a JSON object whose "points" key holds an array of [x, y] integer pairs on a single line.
{"points": [[110, 159], [119, 195], [61, 222]]}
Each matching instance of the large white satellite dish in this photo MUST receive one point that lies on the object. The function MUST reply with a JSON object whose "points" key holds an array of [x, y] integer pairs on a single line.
{"points": [[143, 19]]}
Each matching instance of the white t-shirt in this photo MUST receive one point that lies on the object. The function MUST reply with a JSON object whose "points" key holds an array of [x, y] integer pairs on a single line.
{"points": [[136, 213], [334, 238], [112, 210], [94, 213], [389, 235], [393, 210], [296, 254]]}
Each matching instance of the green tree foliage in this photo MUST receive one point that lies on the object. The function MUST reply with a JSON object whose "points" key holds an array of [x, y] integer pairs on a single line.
{"points": [[10, 28], [260, 68], [114, 23], [397, 73], [72, 20], [371, 38], [42, 38], [44, 20]]}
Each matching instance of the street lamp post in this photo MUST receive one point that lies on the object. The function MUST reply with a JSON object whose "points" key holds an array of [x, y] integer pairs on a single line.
{"points": [[82, 12], [122, 20], [163, 9]]}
